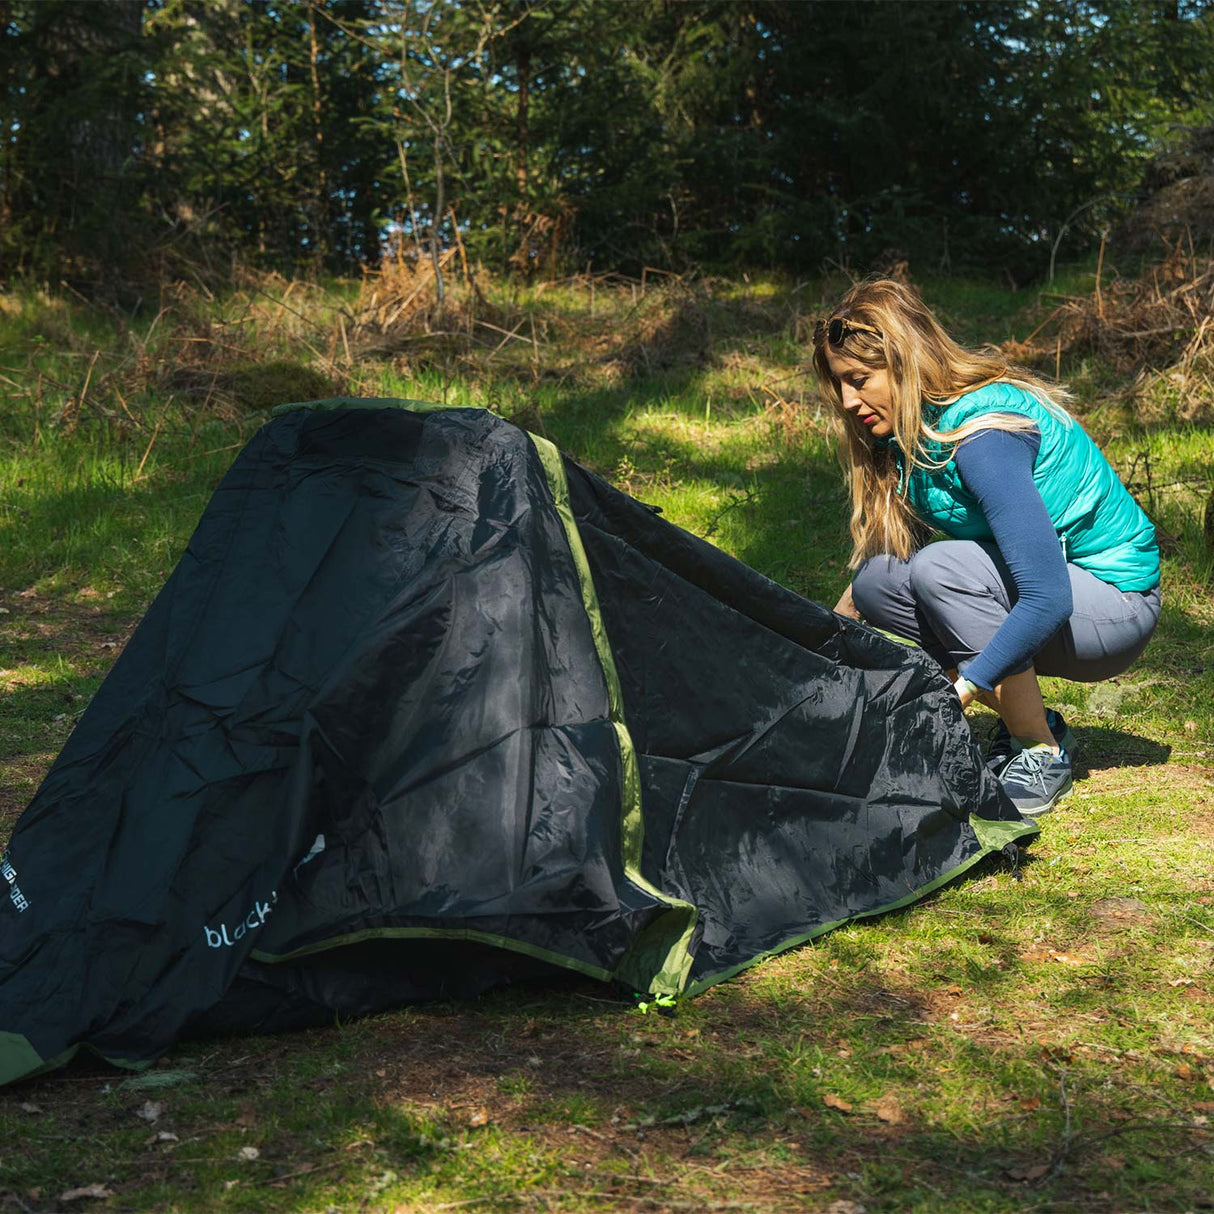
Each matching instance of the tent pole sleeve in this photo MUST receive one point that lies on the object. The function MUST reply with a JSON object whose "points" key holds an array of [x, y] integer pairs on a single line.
{"points": [[659, 960]]}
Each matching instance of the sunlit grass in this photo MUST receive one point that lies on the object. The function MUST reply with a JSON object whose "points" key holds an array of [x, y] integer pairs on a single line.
{"points": [[1008, 1044]]}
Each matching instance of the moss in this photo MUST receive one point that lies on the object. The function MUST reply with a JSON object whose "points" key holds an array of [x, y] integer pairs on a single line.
{"points": [[263, 385]]}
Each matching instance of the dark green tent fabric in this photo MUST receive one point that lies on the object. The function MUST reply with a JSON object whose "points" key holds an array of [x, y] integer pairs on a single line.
{"points": [[425, 708]]}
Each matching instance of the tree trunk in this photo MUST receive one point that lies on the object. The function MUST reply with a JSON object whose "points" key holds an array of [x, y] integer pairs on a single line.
{"points": [[521, 129], [320, 200], [435, 225], [522, 137]]}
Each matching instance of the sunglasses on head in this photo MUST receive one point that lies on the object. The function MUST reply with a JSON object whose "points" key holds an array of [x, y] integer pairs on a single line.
{"points": [[837, 330]]}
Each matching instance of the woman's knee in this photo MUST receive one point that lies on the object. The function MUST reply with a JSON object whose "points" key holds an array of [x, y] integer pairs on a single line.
{"points": [[877, 584], [944, 568]]}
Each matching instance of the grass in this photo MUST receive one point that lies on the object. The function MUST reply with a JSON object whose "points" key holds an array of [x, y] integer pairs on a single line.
{"points": [[1039, 1041]]}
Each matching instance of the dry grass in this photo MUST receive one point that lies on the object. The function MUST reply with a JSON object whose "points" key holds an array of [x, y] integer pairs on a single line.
{"points": [[1155, 332]]}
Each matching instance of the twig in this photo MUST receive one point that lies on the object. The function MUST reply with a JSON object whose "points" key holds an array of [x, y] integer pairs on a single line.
{"points": [[459, 241], [1144, 332], [1064, 1147], [735, 500], [1193, 482], [84, 391], [1104, 235], [214, 451], [282, 303], [126, 409], [333, 367], [148, 449], [512, 333], [310, 1170], [1131, 1127], [613, 1142], [668, 1203], [151, 328], [1205, 927], [387, 324]]}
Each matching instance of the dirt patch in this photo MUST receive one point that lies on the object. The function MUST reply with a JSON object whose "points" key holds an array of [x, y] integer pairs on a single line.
{"points": [[84, 628], [1117, 914], [81, 628], [19, 779]]}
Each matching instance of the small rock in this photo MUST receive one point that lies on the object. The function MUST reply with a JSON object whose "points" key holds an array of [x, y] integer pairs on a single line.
{"points": [[1030, 1172], [98, 1191]]}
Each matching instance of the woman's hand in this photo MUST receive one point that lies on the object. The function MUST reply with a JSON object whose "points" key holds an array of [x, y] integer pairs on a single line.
{"points": [[847, 605], [965, 693]]}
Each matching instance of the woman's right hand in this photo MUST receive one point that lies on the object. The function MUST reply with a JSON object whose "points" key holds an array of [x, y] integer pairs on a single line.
{"points": [[847, 605]]}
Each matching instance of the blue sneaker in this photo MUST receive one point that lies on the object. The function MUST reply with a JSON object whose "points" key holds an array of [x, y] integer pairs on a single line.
{"points": [[1036, 779], [1004, 747]]}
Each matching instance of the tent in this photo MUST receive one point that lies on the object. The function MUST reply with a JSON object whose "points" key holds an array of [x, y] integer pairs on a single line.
{"points": [[427, 707]]}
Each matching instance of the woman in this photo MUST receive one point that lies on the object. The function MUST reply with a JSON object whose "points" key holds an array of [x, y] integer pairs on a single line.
{"points": [[1049, 565]]}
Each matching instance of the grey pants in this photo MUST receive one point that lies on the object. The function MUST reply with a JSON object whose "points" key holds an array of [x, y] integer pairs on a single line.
{"points": [[951, 597]]}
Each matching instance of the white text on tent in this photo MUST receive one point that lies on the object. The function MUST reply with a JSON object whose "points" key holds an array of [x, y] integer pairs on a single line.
{"points": [[254, 919]]}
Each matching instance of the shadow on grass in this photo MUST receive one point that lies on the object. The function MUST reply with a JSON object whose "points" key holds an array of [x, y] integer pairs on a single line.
{"points": [[524, 1094], [1102, 746]]}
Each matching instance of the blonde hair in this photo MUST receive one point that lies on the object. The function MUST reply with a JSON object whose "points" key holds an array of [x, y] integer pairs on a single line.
{"points": [[925, 367]]}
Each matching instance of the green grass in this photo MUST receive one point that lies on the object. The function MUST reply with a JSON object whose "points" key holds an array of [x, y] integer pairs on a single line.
{"points": [[1042, 1042]]}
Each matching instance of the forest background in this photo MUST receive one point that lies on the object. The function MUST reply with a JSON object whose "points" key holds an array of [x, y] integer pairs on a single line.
{"points": [[615, 223], [552, 135]]}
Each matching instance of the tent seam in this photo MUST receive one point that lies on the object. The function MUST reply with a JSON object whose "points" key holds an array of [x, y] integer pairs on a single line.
{"points": [[673, 973]]}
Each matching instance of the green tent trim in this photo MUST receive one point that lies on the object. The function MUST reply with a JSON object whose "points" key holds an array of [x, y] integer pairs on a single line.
{"points": [[435, 933], [669, 975], [993, 836], [19, 1059]]}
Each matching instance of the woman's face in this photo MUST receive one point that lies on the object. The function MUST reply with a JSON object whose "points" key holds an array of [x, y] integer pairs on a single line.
{"points": [[865, 392]]}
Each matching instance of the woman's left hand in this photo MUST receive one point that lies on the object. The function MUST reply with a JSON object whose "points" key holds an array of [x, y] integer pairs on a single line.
{"points": [[847, 605], [964, 692]]}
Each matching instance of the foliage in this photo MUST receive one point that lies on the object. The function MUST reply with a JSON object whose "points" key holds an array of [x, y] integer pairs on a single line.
{"points": [[73, 90], [540, 135]]}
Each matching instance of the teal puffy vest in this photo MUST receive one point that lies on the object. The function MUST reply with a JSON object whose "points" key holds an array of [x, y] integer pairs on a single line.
{"points": [[1101, 527]]}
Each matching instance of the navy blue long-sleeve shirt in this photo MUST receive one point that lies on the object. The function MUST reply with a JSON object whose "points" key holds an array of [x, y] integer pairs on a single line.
{"points": [[996, 466]]}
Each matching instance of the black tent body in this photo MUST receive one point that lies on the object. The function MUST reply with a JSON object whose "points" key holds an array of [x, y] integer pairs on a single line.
{"points": [[426, 707]]}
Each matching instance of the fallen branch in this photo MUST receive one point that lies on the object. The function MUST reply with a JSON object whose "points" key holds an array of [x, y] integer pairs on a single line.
{"points": [[735, 500], [151, 441]]}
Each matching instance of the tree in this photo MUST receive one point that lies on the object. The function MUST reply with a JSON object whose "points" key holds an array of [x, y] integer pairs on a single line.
{"points": [[73, 91]]}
